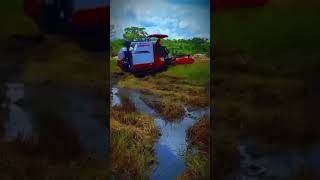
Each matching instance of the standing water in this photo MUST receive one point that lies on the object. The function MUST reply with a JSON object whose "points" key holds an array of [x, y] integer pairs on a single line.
{"points": [[260, 163], [79, 109], [172, 144], [19, 123]]}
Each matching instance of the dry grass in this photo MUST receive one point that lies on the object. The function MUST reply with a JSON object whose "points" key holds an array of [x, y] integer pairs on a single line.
{"points": [[168, 93], [200, 57], [199, 135], [270, 109], [15, 165], [256, 105], [132, 138], [64, 159], [170, 110], [173, 93], [198, 166], [56, 153], [63, 61], [225, 153], [198, 161]]}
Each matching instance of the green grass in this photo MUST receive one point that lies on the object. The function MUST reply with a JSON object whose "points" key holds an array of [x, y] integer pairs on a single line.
{"points": [[199, 72], [116, 45], [13, 19], [113, 66]]}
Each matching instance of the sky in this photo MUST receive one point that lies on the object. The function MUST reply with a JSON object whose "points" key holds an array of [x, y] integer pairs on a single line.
{"points": [[179, 19]]}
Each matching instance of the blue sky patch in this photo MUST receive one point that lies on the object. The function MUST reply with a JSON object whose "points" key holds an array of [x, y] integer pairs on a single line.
{"points": [[179, 19]]}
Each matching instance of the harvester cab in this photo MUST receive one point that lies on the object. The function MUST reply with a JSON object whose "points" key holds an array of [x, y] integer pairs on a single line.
{"points": [[147, 55]]}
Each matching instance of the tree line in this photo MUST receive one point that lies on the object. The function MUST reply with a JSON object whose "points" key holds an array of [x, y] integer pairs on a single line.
{"points": [[176, 46]]}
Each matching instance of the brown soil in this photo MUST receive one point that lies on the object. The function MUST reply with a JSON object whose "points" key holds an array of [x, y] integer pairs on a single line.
{"points": [[199, 135]]}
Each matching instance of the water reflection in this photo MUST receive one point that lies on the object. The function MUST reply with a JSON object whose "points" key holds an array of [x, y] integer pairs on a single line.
{"points": [[61, 117], [172, 144], [19, 122]]}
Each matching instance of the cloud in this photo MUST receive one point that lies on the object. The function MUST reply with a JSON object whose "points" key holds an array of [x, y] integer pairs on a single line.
{"points": [[189, 2], [177, 18], [183, 24], [131, 13]]}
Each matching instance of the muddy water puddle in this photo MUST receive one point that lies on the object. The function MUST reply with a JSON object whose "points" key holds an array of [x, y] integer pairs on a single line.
{"points": [[257, 162], [36, 112], [19, 122], [172, 144]]}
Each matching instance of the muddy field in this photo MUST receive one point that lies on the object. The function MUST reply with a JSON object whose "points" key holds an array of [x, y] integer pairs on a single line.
{"points": [[47, 95], [266, 92], [171, 106]]}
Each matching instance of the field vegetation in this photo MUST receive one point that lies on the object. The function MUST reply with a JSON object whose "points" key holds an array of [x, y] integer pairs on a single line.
{"points": [[38, 57], [169, 93], [266, 71], [132, 137], [47, 57], [47, 156], [65, 62], [173, 91], [198, 153], [15, 21], [176, 47]]}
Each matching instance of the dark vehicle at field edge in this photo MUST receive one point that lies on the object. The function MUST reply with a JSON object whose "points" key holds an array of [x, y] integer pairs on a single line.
{"points": [[85, 21]]}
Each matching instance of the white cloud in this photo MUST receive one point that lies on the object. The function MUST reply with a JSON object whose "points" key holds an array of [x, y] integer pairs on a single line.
{"points": [[177, 20], [183, 24]]}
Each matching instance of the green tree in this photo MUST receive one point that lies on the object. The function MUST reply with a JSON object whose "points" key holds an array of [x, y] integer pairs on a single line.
{"points": [[116, 45], [134, 33]]}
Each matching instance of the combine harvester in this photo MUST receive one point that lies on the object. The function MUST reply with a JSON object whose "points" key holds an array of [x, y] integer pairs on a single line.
{"points": [[149, 55], [85, 20]]}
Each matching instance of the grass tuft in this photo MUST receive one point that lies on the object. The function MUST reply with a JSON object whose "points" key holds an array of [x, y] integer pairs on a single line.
{"points": [[199, 134], [132, 138], [170, 88], [198, 166], [169, 109], [197, 155]]}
